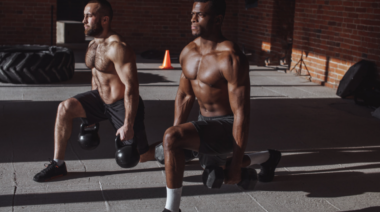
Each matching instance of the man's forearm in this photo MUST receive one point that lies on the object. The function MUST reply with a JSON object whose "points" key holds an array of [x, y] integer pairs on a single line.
{"points": [[240, 133], [131, 102], [183, 105]]}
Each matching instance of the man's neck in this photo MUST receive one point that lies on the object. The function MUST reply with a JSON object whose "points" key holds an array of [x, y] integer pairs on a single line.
{"points": [[103, 36], [209, 43]]}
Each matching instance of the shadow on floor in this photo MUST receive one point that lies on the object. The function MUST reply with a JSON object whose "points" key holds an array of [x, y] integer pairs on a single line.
{"points": [[315, 185], [77, 175], [83, 78], [309, 132], [144, 78], [371, 209]]}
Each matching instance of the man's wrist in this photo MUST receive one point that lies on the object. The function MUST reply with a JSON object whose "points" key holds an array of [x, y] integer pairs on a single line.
{"points": [[128, 125]]}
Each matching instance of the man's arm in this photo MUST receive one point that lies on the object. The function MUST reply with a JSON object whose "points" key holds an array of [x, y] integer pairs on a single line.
{"points": [[183, 101], [125, 64], [237, 75], [185, 97]]}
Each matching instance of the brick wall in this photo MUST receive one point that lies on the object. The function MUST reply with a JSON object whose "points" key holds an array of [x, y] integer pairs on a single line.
{"points": [[146, 24], [152, 24], [332, 35], [26, 22], [267, 29]]}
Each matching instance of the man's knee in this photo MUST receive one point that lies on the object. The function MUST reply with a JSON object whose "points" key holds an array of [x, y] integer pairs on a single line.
{"points": [[68, 107], [172, 139]]}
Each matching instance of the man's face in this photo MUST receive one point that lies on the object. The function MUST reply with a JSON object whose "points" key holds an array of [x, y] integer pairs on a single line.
{"points": [[202, 18], [92, 20]]}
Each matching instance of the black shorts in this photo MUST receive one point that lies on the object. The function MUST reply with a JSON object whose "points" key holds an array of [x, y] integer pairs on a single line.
{"points": [[96, 111], [217, 141]]}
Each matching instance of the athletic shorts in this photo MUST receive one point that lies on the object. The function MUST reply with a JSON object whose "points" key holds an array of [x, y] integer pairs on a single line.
{"points": [[217, 141], [96, 111]]}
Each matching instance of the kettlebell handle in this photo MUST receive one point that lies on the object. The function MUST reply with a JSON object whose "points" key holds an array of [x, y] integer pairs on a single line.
{"points": [[117, 139], [83, 127]]}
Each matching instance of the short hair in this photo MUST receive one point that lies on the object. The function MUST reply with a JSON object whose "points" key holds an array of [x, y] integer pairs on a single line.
{"points": [[105, 8], [218, 6]]}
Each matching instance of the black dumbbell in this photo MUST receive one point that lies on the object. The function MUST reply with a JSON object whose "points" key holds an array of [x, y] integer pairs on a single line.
{"points": [[89, 137], [213, 177], [160, 157], [126, 156]]}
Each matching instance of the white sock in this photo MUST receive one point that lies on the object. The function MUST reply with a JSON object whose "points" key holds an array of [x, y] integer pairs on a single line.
{"points": [[173, 199], [258, 157], [59, 162]]}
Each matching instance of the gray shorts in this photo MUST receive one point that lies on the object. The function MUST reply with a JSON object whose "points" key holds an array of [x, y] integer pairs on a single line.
{"points": [[217, 141]]}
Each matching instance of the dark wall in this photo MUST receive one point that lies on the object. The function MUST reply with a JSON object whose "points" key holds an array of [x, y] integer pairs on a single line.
{"points": [[70, 10], [27, 22]]}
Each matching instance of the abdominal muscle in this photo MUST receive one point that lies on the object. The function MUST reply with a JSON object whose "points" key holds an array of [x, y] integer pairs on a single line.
{"points": [[214, 104], [109, 85]]}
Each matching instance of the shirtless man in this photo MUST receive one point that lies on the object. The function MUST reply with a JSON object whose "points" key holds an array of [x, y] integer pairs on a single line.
{"points": [[114, 95], [215, 72]]}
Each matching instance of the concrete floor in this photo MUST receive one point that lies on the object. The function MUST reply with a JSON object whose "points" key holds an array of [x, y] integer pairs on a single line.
{"points": [[330, 146]]}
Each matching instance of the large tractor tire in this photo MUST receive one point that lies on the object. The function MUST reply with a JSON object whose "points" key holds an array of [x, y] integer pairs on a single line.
{"points": [[34, 64]]}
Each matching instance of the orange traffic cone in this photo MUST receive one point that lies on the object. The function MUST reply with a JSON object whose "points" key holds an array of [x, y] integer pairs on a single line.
{"points": [[167, 64]]}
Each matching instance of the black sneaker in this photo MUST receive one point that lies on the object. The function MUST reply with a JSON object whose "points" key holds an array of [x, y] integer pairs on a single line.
{"points": [[52, 170], [166, 210], [267, 168]]}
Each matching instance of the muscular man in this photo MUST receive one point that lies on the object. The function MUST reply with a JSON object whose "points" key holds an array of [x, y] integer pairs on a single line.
{"points": [[114, 95], [215, 72]]}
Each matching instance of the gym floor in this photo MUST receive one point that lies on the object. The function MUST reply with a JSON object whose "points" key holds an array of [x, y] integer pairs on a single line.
{"points": [[331, 150]]}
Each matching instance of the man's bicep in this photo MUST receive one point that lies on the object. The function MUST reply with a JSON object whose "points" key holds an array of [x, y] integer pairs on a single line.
{"points": [[238, 83], [124, 62], [128, 74], [185, 86]]}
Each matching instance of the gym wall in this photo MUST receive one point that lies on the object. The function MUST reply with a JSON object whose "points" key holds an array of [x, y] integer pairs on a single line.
{"points": [[27, 22], [267, 30], [333, 35], [152, 24]]}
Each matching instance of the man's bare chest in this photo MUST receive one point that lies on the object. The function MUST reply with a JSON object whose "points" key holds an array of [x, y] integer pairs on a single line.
{"points": [[203, 69], [96, 57]]}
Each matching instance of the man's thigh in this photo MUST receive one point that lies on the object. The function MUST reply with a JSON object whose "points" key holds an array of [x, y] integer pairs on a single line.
{"points": [[216, 136], [93, 107], [216, 140], [186, 136]]}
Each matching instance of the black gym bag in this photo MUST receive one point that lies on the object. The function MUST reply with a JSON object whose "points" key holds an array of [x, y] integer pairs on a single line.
{"points": [[369, 97], [357, 78]]}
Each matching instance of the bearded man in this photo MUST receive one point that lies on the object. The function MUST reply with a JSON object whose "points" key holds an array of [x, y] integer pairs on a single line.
{"points": [[114, 95]]}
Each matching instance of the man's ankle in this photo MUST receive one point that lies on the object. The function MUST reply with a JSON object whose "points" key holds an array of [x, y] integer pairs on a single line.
{"points": [[59, 162]]}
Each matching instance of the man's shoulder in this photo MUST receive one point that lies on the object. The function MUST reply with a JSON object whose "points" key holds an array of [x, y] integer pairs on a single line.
{"points": [[117, 47], [229, 47], [116, 42]]}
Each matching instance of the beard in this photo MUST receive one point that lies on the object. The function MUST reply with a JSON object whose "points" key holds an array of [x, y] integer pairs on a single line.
{"points": [[94, 31], [196, 34]]}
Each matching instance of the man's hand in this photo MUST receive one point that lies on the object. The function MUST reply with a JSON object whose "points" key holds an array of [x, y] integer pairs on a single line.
{"points": [[126, 133], [233, 175]]}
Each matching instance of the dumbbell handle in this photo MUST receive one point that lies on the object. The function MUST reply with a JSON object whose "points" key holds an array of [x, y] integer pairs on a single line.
{"points": [[214, 176]]}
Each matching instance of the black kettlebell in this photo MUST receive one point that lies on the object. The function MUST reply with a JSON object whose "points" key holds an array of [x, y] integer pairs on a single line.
{"points": [[89, 137], [126, 156]]}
